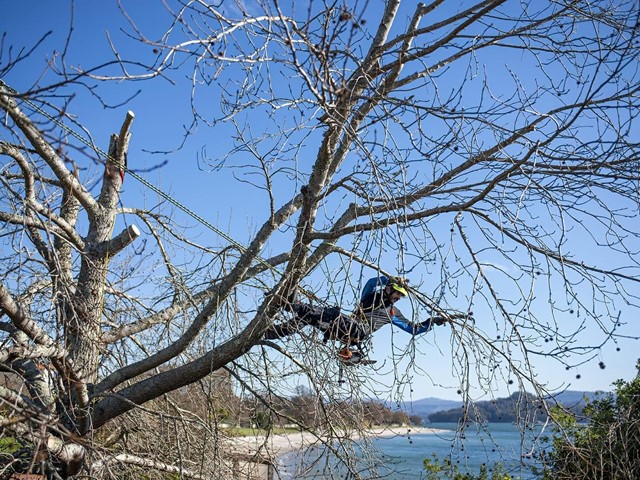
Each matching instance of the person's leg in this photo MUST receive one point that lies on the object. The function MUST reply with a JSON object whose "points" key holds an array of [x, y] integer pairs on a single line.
{"points": [[282, 330], [305, 315]]}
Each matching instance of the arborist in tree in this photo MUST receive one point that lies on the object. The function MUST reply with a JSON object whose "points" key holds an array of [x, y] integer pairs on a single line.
{"points": [[376, 309]]}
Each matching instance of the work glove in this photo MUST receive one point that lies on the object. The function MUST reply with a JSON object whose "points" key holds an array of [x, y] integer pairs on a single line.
{"points": [[438, 320], [426, 323]]}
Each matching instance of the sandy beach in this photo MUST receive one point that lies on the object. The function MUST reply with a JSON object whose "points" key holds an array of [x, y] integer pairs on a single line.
{"points": [[275, 445]]}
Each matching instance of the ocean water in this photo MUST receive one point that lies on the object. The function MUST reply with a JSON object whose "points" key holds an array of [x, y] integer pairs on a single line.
{"points": [[401, 457]]}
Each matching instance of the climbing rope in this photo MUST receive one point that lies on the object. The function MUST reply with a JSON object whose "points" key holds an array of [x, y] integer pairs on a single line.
{"points": [[131, 173], [146, 183]]}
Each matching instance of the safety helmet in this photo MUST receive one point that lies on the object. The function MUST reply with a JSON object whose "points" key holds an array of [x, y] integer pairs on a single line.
{"points": [[398, 288]]}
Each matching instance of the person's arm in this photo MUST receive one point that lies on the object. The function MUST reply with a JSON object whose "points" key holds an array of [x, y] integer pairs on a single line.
{"points": [[400, 321]]}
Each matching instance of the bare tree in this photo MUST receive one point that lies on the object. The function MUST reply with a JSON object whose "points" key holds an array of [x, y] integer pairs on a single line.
{"points": [[488, 147]]}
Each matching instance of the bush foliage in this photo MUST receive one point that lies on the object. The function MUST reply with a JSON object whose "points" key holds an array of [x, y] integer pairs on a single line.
{"points": [[607, 446]]}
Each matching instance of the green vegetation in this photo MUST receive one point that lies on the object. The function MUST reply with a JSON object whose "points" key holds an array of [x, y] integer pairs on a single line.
{"points": [[607, 447], [8, 445], [437, 469]]}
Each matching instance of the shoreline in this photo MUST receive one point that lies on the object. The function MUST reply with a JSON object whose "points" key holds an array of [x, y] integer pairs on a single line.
{"points": [[273, 446]]}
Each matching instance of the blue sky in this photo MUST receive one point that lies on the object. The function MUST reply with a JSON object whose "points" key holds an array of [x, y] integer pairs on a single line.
{"points": [[163, 112]]}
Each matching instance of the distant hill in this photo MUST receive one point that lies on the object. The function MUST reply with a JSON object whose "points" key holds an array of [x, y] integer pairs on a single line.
{"points": [[510, 409], [572, 397], [425, 406]]}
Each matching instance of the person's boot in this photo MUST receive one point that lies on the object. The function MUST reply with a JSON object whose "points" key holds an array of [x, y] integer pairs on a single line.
{"points": [[349, 356], [345, 353]]}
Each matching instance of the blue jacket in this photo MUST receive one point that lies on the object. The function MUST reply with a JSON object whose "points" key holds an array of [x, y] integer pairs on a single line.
{"points": [[377, 310]]}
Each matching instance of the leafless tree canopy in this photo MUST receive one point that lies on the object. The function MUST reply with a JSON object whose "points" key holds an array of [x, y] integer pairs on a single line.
{"points": [[488, 151]]}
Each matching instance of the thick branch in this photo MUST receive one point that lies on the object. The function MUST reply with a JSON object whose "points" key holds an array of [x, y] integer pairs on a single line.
{"points": [[219, 294], [119, 242]]}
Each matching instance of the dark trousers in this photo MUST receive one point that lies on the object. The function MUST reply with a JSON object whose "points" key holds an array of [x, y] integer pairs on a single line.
{"points": [[329, 320]]}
